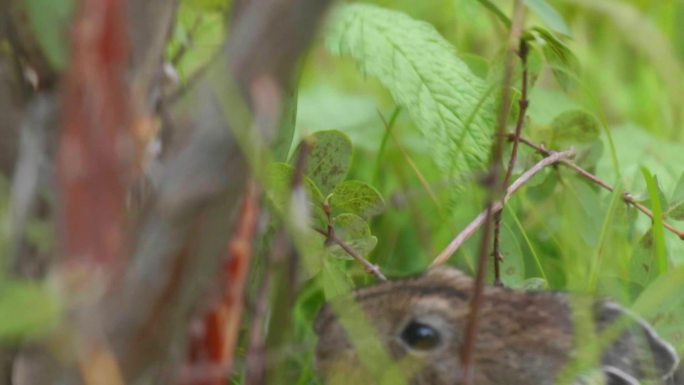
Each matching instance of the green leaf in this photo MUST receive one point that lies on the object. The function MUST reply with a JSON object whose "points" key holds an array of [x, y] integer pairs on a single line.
{"points": [[50, 21], [563, 62], [355, 232], [283, 140], [588, 155], [546, 105], [574, 126], [280, 189], [658, 230], [642, 266], [357, 198], [26, 310], [496, 11], [549, 16], [676, 209], [328, 160], [477, 64], [450, 105], [645, 198], [513, 264]]}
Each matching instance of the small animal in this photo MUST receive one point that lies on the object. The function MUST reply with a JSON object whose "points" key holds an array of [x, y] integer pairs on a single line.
{"points": [[524, 338]]}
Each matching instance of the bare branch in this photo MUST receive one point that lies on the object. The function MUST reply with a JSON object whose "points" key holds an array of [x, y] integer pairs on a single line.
{"points": [[626, 197], [456, 243], [494, 192]]}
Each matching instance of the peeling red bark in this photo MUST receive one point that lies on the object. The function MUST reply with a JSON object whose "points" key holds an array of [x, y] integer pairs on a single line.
{"points": [[95, 145]]}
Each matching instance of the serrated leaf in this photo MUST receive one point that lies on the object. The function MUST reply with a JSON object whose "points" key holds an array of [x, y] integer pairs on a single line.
{"points": [[328, 160], [357, 198], [574, 126], [280, 189], [450, 105], [549, 15], [563, 62], [26, 310], [355, 232]]}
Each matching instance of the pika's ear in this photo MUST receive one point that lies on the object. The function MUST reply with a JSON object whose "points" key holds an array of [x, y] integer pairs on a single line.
{"points": [[639, 353], [615, 376]]}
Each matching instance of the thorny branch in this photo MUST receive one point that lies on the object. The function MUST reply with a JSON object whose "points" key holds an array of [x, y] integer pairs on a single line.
{"points": [[551, 159], [626, 197], [494, 192], [523, 103]]}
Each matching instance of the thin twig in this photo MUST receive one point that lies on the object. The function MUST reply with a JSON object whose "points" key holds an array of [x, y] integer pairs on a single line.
{"points": [[494, 193], [626, 197], [370, 268], [551, 159], [523, 103]]}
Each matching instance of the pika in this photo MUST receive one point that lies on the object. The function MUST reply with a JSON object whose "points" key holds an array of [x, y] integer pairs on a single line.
{"points": [[524, 338]]}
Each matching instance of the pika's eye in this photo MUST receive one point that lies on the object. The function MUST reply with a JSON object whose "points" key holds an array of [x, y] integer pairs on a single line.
{"points": [[420, 336]]}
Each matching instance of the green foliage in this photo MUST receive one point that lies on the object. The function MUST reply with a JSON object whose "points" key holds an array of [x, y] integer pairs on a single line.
{"points": [[611, 89], [447, 102], [280, 177], [563, 62], [676, 206], [355, 232], [658, 231], [349, 203], [574, 126], [198, 34], [50, 20], [27, 310], [549, 15], [328, 159], [358, 198]]}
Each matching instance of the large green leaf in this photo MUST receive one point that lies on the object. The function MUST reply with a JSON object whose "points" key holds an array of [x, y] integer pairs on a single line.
{"points": [[449, 104]]}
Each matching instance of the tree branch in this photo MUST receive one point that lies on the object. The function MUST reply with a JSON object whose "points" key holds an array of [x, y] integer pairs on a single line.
{"points": [[626, 197], [523, 103], [494, 192], [456, 243]]}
